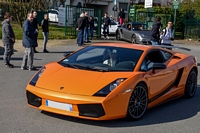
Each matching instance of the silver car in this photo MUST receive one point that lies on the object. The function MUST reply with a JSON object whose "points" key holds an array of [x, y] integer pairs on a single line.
{"points": [[134, 33]]}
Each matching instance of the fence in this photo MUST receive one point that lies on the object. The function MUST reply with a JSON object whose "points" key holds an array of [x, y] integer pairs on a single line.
{"points": [[72, 13], [192, 28]]}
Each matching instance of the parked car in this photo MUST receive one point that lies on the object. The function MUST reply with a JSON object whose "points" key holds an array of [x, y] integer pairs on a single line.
{"points": [[112, 29], [134, 33], [53, 15], [86, 84]]}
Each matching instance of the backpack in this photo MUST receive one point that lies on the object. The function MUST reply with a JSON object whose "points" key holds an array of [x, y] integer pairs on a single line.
{"points": [[172, 30]]}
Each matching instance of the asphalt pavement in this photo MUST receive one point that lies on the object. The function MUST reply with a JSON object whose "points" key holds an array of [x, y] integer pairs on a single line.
{"points": [[177, 116]]}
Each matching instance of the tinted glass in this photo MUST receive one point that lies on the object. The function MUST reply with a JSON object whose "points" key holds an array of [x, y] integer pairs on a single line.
{"points": [[140, 27], [102, 58]]}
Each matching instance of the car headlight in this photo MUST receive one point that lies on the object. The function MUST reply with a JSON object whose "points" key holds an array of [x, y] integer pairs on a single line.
{"points": [[36, 77], [110, 87]]}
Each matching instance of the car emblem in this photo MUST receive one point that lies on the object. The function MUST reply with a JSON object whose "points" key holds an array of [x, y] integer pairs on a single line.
{"points": [[61, 88]]}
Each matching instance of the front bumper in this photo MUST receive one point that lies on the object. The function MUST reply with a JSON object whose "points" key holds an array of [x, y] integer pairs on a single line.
{"points": [[87, 107]]}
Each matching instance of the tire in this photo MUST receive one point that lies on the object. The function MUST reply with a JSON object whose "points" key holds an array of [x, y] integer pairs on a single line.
{"points": [[137, 103], [118, 36], [191, 84], [133, 39]]}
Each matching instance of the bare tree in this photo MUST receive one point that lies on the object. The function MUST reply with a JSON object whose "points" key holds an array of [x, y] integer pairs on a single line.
{"points": [[20, 8]]}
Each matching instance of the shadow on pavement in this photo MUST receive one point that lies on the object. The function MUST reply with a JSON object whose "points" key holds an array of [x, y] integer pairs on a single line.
{"points": [[175, 110]]}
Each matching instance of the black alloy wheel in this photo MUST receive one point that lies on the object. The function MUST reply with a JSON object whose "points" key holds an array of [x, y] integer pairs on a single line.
{"points": [[133, 39], [137, 103], [191, 84]]}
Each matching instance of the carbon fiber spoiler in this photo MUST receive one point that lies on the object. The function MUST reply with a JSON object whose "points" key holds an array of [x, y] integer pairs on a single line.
{"points": [[173, 47]]}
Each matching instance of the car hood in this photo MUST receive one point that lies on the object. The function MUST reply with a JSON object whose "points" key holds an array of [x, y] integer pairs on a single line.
{"points": [[76, 81]]}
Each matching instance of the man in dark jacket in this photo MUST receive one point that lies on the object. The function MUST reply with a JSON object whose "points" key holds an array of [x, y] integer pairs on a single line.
{"points": [[29, 34], [86, 26], [106, 23], [155, 31], [35, 24], [8, 39], [80, 29]]}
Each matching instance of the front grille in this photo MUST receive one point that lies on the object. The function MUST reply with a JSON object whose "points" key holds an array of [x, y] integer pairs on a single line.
{"points": [[91, 110], [33, 99]]}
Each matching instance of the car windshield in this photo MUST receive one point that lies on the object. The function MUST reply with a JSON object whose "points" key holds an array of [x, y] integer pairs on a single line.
{"points": [[103, 59], [140, 27]]}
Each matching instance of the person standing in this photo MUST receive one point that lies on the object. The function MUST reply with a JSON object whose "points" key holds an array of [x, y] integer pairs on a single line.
{"points": [[106, 23], [45, 32], [121, 16], [8, 39], [35, 24], [91, 23], [86, 26], [29, 42], [167, 35], [155, 31], [80, 29]]}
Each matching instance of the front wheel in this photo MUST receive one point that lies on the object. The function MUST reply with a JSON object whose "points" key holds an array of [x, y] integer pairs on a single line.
{"points": [[137, 103], [191, 84]]}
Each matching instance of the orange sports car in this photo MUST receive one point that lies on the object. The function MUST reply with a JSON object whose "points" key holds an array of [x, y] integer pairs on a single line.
{"points": [[112, 80]]}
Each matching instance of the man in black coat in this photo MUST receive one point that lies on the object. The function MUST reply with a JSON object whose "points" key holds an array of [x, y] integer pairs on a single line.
{"points": [[106, 23], [80, 28], [155, 31], [29, 34]]}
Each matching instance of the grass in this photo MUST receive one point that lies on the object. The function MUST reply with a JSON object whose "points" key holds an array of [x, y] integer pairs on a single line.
{"points": [[55, 32]]}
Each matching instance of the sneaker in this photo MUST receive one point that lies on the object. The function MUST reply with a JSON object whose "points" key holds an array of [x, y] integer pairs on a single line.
{"points": [[8, 66], [104, 38], [32, 68], [107, 37], [11, 65], [45, 51], [24, 68]]}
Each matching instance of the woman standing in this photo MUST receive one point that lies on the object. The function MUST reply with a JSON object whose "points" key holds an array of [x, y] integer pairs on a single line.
{"points": [[45, 32], [121, 16], [91, 23]]}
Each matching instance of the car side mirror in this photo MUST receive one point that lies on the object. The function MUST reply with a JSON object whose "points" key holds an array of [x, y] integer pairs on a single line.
{"points": [[158, 66]]}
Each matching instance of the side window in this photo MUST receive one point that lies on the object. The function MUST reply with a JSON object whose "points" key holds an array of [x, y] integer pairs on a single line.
{"points": [[150, 59], [124, 26], [166, 55]]}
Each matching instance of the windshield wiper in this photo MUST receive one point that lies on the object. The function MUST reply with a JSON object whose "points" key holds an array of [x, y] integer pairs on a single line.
{"points": [[96, 68]]}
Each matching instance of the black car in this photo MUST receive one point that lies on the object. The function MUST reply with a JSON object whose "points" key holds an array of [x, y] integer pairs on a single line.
{"points": [[134, 32]]}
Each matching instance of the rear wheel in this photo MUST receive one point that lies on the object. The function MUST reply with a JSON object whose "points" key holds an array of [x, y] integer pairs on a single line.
{"points": [[191, 84], [118, 35], [133, 39], [137, 103]]}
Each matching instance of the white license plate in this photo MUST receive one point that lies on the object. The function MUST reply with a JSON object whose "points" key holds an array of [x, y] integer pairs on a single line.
{"points": [[57, 105]]}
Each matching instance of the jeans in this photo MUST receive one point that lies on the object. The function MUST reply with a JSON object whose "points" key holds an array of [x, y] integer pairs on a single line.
{"points": [[91, 32], [45, 35], [7, 53], [85, 39], [105, 30], [80, 37], [154, 43], [28, 56]]}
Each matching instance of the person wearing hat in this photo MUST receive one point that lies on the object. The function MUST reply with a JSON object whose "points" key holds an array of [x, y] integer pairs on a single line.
{"points": [[112, 58]]}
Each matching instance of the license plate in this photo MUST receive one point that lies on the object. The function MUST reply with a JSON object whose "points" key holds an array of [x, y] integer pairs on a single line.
{"points": [[57, 105]]}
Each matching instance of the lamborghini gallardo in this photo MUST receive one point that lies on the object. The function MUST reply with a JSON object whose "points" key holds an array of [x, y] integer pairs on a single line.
{"points": [[112, 80]]}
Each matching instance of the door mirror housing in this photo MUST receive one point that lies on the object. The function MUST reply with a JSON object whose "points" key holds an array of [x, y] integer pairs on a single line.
{"points": [[158, 66]]}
